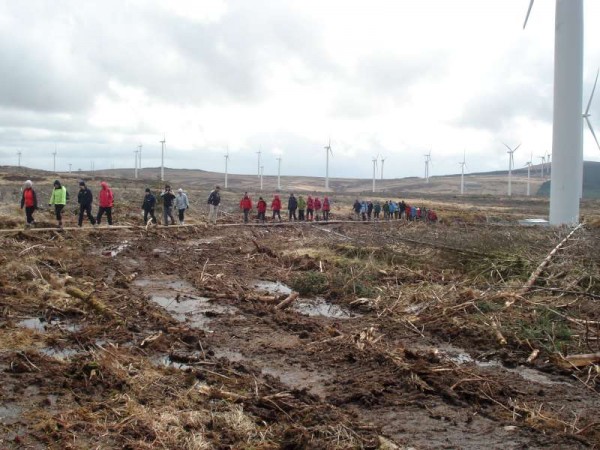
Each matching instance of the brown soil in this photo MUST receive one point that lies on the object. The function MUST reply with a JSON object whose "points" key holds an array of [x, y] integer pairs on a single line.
{"points": [[401, 338]]}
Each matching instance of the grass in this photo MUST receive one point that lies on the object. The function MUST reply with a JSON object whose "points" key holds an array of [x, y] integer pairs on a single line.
{"points": [[547, 329]]}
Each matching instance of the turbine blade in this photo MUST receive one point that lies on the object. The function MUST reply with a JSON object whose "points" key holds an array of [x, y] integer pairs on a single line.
{"points": [[592, 130], [516, 148], [509, 149], [587, 110], [528, 12]]}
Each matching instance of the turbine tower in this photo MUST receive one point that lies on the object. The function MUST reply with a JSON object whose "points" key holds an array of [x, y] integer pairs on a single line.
{"points": [[382, 162], [259, 166], [327, 153], [511, 164], [262, 170], [278, 173], [19, 158], [54, 159], [567, 136], [140, 157], [462, 174], [70, 167], [529, 164], [135, 170], [162, 158], [542, 165], [374, 170], [226, 164], [427, 161]]}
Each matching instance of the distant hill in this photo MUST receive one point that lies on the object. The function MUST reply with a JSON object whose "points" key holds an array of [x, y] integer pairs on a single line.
{"points": [[591, 181]]}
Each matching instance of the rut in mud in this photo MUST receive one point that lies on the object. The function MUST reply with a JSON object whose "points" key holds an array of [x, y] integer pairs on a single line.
{"points": [[400, 337]]}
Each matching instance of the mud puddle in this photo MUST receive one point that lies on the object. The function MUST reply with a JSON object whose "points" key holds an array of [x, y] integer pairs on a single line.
{"points": [[9, 413], [112, 252], [61, 354], [321, 307], [42, 325], [296, 378], [271, 287], [179, 299]]}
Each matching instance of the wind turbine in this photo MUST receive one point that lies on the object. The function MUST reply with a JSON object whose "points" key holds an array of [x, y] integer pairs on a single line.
{"points": [[278, 172], [586, 116], [567, 136], [19, 158], [374, 170], [226, 164], [427, 161], [462, 173], [162, 158], [135, 171], [327, 153], [542, 165], [511, 163], [259, 166], [70, 167], [54, 156], [140, 157], [382, 162], [529, 164]]}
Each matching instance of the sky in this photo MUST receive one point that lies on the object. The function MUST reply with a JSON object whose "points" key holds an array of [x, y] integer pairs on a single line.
{"points": [[389, 78]]}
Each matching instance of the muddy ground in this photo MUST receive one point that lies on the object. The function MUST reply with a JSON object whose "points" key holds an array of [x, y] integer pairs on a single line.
{"points": [[403, 336]]}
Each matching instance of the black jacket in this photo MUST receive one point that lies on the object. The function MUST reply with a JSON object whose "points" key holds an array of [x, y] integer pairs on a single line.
{"points": [[292, 203], [214, 198], [149, 202], [168, 198], [85, 197]]}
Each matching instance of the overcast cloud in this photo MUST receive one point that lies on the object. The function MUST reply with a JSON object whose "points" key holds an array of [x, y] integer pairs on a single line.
{"points": [[394, 78]]}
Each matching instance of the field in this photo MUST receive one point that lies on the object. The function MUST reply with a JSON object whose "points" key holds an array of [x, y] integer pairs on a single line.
{"points": [[387, 335]]}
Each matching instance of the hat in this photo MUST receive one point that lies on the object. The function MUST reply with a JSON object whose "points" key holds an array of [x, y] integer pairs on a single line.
{"points": [[28, 183], [56, 183], [179, 190], [81, 183], [217, 187], [147, 189]]}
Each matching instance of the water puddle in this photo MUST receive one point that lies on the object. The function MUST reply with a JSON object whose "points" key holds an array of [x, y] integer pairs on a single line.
{"points": [[205, 241], [320, 307], [271, 287], [524, 372], [114, 252], [178, 298], [9, 413], [228, 354], [296, 378], [165, 361], [61, 354], [42, 325]]}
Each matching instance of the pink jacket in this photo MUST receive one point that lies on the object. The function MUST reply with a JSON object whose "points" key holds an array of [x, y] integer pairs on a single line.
{"points": [[106, 198]]}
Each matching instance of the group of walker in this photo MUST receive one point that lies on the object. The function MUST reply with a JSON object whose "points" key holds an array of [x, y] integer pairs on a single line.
{"points": [[368, 210], [59, 198], [299, 209], [85, 198]]}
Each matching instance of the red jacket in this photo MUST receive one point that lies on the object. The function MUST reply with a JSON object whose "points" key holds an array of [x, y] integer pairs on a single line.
{"points": [[276, 204], [310, 204], [317, 204], [326, 206], [106, 197], [246, 203], [261, 206], [29, 198]]}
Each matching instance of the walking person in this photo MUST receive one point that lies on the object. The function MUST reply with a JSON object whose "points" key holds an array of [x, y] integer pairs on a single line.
{"points": [[301, 207], [148, 206], [85, 199], [292, 207], [29, 201], [58, 199], [276, 207], [106, 200], [317, 209], [363, 211], [376, 210], [261, 207], [326, 208], [213, 204], [356, 208], [386, 210], [310, 207], [182, 204], [369, 209], [168, 199], [246, 206]]}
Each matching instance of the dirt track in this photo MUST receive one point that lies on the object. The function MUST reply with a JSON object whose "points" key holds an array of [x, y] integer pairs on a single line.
{"points": [[176, 341]]}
